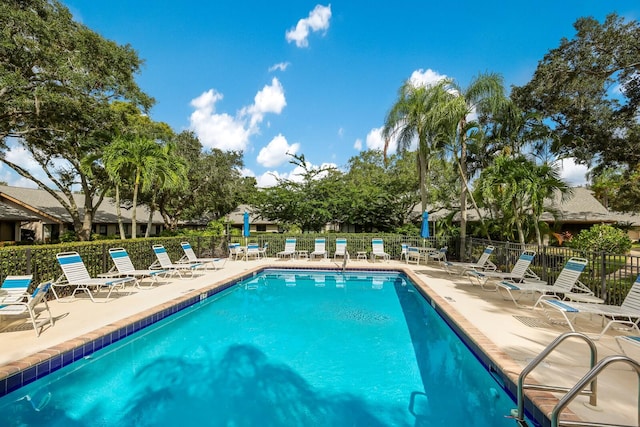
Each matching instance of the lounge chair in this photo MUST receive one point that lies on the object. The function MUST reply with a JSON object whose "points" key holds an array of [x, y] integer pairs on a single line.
{"points": [[483, 263], [235, 251], [633, 340], [289, 249], [190, 257], [413, 254], [341, 249], [15, 288], [123, 267], [263, 250], [519, 272], [163, 262], [319, 249], [566, 284], [253, 250], [75, 274], [28, 305], [627, 314], [404, 249], [377, 250], [440, 255]]}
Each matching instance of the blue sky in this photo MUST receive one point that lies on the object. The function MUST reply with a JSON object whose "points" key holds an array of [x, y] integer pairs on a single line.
{"points": [[271, 77]]}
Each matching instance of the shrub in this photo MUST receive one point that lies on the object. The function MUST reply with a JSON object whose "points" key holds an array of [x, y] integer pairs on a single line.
{"points": [[602, 238]]}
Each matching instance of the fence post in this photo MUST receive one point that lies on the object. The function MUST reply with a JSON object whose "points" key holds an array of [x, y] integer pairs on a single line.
{"points": [[603, 276], [28, 261]]}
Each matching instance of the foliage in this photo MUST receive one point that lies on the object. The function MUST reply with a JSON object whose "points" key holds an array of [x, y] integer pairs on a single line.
{"points": [[589, 88], [68, 236], [602, 238], [214, 186], [57, 81]]}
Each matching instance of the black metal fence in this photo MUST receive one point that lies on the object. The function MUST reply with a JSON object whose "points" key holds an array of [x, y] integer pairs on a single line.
{"points": [[610, 276]]}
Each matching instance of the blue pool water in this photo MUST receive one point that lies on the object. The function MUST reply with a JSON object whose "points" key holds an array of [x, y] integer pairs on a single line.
{"points": [[285, 348]]}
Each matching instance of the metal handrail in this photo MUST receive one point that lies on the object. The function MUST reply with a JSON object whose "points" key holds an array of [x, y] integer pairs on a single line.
{"points": [[592, 393], [590, 377]]}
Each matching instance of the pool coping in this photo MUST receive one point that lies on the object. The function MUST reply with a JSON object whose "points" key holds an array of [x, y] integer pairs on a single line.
{"points": [[16, 374]]}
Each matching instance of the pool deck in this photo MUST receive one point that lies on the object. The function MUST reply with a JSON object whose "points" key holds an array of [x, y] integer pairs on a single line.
{"points": [[509, 335]]}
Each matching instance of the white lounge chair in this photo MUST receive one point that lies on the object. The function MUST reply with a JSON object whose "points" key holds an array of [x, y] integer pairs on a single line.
{"points": [[190, 257], [123, 267], [341, 249], [440, 255], [15, 288], [253, 250], [520, 272], [413, 254], [320, 249], [483, 263], [263, 250], [28, 306], [377, 250], [404, 249], [289, 249], [235, 251], [566, 284], [75, 274], [163, 262], [627, 314]]}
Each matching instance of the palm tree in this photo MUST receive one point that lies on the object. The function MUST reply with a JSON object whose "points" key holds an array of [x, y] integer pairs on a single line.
{"points": [[131, 158], [518, 188], [483, 96], [418, 117], [167, 172]]}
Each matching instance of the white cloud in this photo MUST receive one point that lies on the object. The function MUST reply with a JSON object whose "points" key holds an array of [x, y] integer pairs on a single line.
{"points": [[268, 179], [341, 132], [572, 173], [226, 132], [276, 152], [17, 154], [318, 20], [358, 144], [375, 141], [425, 78], [282, 66], [268, 100]]}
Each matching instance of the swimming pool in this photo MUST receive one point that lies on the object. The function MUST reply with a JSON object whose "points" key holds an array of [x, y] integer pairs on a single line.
{"points": [[282, 348]]}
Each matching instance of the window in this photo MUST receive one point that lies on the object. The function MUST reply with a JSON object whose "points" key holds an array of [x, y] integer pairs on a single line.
{"points": [[261, 227]]}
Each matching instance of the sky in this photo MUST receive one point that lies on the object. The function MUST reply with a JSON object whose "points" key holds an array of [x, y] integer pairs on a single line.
{"points": [[274, 78]]}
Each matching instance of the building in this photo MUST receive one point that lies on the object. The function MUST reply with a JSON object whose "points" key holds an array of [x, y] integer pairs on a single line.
{"points": [[28, 214]]}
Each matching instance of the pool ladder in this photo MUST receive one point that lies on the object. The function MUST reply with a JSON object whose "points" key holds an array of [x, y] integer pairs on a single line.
{"points": [[589, 379]]}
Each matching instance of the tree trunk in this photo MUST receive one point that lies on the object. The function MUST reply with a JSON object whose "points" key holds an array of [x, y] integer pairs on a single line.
{"points": [[463, 193], [119, 214], [134, 221]]}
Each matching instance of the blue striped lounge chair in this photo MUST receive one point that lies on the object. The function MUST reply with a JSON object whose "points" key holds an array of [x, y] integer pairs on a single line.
{"points": [[320, 249], [163, 262], [123, 267], [519, 272], [190, 257], [28, 304], [483, 263], [377, 250], [289, 249], [75, 274], [15, 288]]}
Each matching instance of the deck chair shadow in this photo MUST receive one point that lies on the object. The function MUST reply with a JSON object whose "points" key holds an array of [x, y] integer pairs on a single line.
{"points": [[76, 275], [341, 249], [319, 249], [519, 272], [163, 262], [15, 288], [483, 263], [28, 306], [123, 267], [289, 249], [566, 286], [190, 257], [377, 250], [627, 314]]}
